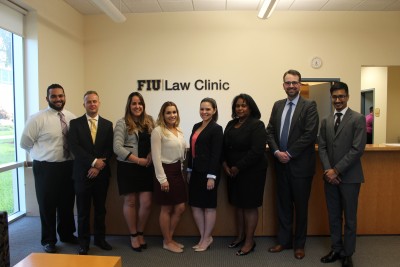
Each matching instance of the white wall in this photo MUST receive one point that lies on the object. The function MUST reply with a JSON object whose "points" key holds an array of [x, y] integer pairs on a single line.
{"points": [[54, 53], [376, 77], [92, 52], [393, 107], [249, 53]]}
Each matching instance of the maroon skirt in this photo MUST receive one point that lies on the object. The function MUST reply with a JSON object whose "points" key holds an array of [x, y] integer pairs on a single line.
{"points": [[177, 186]]}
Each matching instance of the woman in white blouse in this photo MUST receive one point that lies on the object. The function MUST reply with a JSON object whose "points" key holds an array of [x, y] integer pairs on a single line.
{"points": [[168, 152]]}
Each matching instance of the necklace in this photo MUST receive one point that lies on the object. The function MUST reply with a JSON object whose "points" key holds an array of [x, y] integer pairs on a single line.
{"points": [[241, 121]]}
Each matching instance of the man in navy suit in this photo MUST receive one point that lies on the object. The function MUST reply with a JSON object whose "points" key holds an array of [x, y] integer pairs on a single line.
{"points": [[291, 136], [341, 145], [90, 140]]}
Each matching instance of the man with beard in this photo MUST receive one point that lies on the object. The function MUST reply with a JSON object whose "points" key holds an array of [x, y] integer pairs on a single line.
{"points": [[45, 138], [291, 135], [341, 145]]}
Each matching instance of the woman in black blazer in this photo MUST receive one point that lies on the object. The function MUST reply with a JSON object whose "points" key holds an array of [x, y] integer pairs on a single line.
{"points": [[245, 163], [204, 165]]}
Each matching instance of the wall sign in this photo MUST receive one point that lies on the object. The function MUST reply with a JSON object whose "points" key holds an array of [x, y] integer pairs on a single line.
{"points": [[166, 85]]}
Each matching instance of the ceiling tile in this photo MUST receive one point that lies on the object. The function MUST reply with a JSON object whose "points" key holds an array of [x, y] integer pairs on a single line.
{"points": [[242, 5]]}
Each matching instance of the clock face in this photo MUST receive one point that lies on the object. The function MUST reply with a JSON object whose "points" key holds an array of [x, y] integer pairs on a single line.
{"points": [[316, 62]]}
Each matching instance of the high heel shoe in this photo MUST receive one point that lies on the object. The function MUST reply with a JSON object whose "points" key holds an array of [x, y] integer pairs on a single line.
{"points": [[144, 245], [196, 246], [201, 249], [242, 253], [235, 244], [137, 249]]}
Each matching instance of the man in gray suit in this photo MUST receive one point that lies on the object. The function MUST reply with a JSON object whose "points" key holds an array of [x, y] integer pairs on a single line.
{"points": [[341, 145], [291, 135]]}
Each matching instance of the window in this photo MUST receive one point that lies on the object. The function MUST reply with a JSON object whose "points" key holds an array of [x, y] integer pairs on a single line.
{"points": [[11, 80]]}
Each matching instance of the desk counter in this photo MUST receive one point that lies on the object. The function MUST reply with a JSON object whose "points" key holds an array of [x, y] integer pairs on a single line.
{"points": [[379, 202]]}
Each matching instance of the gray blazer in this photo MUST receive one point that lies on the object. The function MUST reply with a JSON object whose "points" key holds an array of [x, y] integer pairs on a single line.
{"points": [[344, 149]]}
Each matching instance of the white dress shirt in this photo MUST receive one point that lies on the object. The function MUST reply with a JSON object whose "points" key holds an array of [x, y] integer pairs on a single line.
{"points": [[42, 136]]}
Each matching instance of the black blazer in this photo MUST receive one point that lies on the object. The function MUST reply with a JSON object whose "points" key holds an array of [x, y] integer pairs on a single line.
{"points": [[246, 148], [302, 136], [81, 145], [208, 149]]}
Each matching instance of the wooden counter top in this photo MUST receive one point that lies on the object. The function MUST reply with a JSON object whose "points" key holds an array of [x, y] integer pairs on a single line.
{"points": [[382, 147], [379, 201]]}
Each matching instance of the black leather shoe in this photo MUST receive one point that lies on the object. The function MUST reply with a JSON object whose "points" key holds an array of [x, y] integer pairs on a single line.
{"points": [[70, 240], [347, 261], [50, 248], [235, 244], [331, 257], [242, 253], [83, 250], [103, 244]]}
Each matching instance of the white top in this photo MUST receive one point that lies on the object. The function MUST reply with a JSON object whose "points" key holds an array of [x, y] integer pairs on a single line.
{"points": [[42, 136], [166, 149]]}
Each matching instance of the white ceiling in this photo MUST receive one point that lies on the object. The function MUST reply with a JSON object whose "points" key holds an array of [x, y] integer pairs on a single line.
{"points": [[86, 7]]}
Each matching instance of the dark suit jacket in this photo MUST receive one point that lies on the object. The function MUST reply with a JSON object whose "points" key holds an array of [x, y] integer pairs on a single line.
{"points": [[302, 136], [81, 145], [208, 149], [344, 149], [248, 150]]}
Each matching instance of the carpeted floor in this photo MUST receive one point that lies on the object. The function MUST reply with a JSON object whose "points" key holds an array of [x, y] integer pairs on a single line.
{"points": [[372, 251]]}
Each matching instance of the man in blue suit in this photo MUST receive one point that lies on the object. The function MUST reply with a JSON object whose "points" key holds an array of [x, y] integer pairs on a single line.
{"points": [[90, 140], [291, 136], [341, 145]]}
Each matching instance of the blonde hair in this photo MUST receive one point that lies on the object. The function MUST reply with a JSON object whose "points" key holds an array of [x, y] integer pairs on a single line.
{"points": [[145, 122], [161, 120]]}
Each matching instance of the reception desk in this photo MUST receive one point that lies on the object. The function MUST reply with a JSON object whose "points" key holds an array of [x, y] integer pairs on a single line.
{"points": [[379, 202]]}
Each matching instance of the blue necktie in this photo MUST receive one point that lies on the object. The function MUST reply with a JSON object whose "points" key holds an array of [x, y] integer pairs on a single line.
{"points": [[285, 129]]}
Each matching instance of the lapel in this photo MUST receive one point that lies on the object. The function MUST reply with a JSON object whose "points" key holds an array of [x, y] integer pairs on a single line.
{"points": [[281, 106], [330, 130], [346, 118], [205, 131], [85, 125]]}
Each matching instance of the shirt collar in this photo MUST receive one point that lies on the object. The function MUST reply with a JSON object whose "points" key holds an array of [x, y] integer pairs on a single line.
{"points": [[343, 111], [96, 118], [294, 101]]}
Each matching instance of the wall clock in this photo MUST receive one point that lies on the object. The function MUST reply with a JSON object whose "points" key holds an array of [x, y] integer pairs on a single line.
{"points": [[316, 62]]}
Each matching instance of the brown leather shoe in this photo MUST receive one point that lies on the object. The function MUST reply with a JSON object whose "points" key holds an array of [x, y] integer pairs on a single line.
{"points": [[276, 249], [299, 253]]}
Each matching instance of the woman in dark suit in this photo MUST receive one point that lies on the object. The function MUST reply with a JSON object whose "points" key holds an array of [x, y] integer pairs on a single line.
{"points": [[204, 161], [245, 163]]}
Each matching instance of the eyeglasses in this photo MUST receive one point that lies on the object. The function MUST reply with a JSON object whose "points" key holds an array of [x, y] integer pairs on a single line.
{"points": [[340, 97], [293, 83]]}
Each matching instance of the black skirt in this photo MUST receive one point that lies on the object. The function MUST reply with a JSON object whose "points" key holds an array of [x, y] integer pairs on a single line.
{"points": [[133, 178], [199, 195]]}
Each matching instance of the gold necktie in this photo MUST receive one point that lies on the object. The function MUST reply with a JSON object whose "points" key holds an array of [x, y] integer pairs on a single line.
{"points": [[93, 129]]}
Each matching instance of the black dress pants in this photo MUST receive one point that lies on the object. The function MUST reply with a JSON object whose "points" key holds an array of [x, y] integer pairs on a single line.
{"points": [[87, 190], [56, 198]]}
